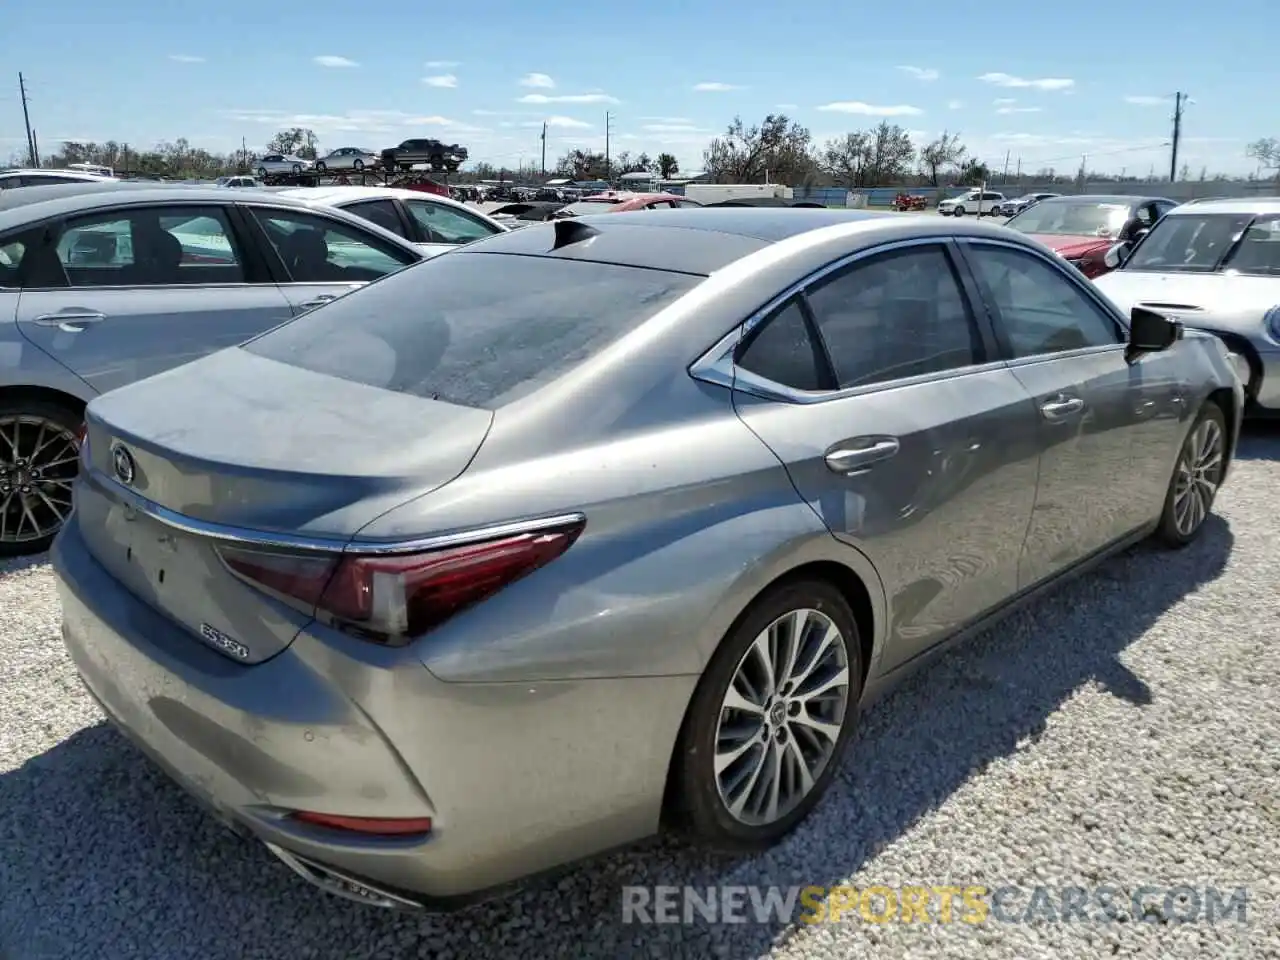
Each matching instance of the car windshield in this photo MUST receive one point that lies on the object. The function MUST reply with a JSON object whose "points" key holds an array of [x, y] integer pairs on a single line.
{"points": [[472, 328], [1073, 218], [587, 206], [1202, 243]]}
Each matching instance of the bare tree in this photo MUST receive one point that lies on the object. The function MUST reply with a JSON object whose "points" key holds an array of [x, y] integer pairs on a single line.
{"points": [[939, 154], [844, 159], [298, 141], [1267, 152], [779, 148], [890, 153], [582, 165]]}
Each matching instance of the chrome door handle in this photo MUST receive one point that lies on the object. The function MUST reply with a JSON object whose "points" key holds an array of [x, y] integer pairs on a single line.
{"points": [[854, 459], [1056, 410], [319, 301], [65, 321]]}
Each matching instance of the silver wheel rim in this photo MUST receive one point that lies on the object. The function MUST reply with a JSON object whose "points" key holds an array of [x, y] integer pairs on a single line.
{"points": [[1198, 474], [39, 460], [781, 717]]}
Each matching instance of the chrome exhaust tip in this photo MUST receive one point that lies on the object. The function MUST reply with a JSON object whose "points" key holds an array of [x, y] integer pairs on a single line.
{"points": [[340, 884]]}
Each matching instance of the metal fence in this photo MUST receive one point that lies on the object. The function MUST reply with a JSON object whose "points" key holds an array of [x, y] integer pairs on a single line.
{"points": [[1181, 191]]}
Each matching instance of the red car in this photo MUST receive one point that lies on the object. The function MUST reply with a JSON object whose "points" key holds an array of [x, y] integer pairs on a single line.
{"points": [[1082, 229], [622, 202]]}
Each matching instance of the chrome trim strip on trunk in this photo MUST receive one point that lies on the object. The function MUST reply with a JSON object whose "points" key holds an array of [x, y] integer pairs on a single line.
{"points": [[227, 533]]}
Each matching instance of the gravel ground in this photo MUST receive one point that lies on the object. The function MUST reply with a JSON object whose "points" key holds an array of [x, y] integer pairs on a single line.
{"points": [[1121, 733]]}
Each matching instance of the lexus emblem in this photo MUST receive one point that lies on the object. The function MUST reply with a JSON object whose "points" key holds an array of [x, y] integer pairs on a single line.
{"points": [[122, 461]]}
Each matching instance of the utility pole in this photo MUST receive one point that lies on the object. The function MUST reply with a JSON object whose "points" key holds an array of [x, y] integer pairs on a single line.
{"points": [[544, 149], [35, 146], [26, 120], [1019, 173], [1179, 99], [1006, 165], [608, 127]]}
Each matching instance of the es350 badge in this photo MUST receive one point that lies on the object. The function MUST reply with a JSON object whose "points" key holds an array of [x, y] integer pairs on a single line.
{"points": [[226, 644]]}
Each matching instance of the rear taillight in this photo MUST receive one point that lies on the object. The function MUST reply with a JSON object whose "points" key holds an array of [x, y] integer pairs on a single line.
{"points": [[367, 826], [393, 597]]}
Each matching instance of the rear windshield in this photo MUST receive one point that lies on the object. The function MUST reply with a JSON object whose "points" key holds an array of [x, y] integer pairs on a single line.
{"points": [[474, 329], [1203, 243]]}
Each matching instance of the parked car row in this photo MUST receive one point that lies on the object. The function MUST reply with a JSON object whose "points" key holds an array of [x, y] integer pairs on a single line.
{"points": [[326, 514], [432, 154], [453, 499]]}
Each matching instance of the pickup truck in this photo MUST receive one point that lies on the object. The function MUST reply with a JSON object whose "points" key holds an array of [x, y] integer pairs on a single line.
{"points": [[433, 153]]}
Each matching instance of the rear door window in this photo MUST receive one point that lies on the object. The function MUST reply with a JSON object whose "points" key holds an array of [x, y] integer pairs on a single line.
{"points": [[474, 329]]}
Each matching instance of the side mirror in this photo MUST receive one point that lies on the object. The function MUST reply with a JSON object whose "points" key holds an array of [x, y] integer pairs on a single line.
{"points": [[1150, 332], [1115, 255]]}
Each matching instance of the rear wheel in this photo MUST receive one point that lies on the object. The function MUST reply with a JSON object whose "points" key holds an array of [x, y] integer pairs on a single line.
{"points": [[1196, 478], [769, 719], [262, 173], [320, 166], [297, 169], [357, 165], [39, 459]]}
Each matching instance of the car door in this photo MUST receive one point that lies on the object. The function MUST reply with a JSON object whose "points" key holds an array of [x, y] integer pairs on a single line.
{"points": [[128, 292], [1109, 428], [880, 390], [442, 227], [320, 258]]}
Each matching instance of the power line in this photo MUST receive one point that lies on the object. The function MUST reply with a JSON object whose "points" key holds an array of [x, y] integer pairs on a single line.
{"points": [[1179, 99], [26, 120]]}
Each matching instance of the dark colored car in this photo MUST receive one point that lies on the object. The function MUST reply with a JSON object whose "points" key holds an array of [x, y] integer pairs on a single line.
{"points": [[1082, 229], [437, 155]]}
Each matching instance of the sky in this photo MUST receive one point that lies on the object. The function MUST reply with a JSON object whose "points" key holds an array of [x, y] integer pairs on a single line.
{"points": [[1044, 85]]}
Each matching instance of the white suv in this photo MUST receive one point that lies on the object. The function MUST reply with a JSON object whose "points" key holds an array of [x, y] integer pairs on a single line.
{"points": [[975, 201]]}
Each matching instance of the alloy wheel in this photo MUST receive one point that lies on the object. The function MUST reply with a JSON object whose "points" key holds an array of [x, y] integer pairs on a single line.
{"points": [[39, 460], [781, 716], [1199, 474]]}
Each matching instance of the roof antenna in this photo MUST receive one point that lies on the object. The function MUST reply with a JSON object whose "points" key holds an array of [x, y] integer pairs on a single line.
{"points": [[570, 230]]}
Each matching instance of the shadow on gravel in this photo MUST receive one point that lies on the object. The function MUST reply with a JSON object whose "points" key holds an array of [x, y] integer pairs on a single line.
{"points": [[1260, 441], [102, 856], [15, 564]]}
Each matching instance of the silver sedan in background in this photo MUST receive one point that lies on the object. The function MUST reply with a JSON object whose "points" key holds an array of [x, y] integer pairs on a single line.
{"points": [[355, 159], [104, 284], [277, 163], [608, 524]]}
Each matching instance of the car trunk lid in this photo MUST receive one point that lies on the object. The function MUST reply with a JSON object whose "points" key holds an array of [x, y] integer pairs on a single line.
{"points": [[240, 447]]}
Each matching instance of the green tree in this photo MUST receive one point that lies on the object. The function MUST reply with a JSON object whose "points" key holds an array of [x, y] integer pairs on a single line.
{"points": [[667, 166]]}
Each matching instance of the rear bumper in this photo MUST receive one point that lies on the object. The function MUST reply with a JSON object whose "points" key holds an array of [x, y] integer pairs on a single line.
{"points": [[518, 778]]}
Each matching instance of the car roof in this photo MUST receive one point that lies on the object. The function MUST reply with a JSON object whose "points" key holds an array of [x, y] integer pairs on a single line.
{"points": [[1230, 205], [1125, 198], [74, 198], [702, 240], [350, 194]]}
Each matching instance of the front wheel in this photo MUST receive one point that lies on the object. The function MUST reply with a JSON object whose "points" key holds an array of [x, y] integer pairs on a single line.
{"points": [[769, 720], [262, 173], [958, 212], [39, 459], [357, 165], [297, 169], [1196, 477], [320, 166]]}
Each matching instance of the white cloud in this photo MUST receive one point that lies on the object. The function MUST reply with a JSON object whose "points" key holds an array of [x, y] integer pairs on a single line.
{"points": [[666, 119], [673, 128], [331, 61], [442, 64], [1044, 83], [185, 58], [870, 109], [538, 80], [354, 121], [563, 123], [1145, 101], [441, 80], [714, 86], [568, 98], [1006, 110], [926, 74], [954, 104]]}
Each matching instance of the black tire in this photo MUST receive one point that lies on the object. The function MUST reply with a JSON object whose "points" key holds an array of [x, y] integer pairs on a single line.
{"points": [[297, 169], [1170, 533], [320, 166], [357, 165], [59, 416], [696, 809]]}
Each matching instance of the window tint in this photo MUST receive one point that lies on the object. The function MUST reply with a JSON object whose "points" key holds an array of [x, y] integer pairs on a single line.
{"points": [[381, 212], [686, 203], [152, 246], [782, 351], [441, 224], [472, 329], [1258, 252], [316, 249], [900, 314], [1040, 309]]}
